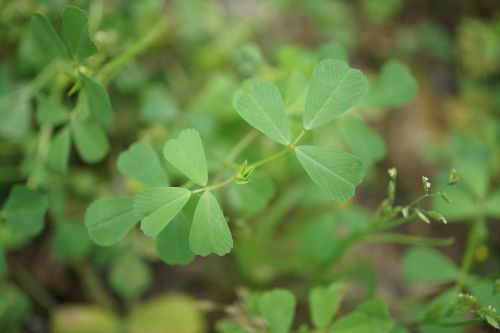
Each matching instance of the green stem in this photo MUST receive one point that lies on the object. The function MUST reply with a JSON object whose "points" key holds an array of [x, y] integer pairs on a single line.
{"points": [[407, 239], [215, 186], [44, 137], [156, 31], [474, 238], [270, 158]]}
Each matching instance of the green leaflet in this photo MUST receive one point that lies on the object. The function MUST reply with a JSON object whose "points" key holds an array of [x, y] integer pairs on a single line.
{"points": [[363, 141], [109, 220], [333, 89], [156, 207], [336, 172], [209, 231], [59, 151], [47, 38], [324, 303], [129, 275], [263, 109], [172, 244], [186, 153], [394, 87], [90, 140], [98, 100], [278, 308], [25, 209], [15, 115], [141, 162], [416, 265], [70, 241], [75, 30], [50, 113]]}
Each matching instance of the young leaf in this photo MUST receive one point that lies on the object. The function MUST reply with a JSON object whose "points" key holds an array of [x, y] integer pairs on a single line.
{"points": [[90, 140], [334, 88], [263, 109], [335, 172], [59, 151], [109, 220], [75, 30], [418, 260], [129, 276], [209, 231], [46, 37], [395, 86], [70, 241], [186, 153], [50, 113], [141, 162], [156, 207], [278, 308], [172, 243], [97, 100], [324, 303], [25, 209]]}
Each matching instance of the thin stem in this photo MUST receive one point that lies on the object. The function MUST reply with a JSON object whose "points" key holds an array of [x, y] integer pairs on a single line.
{"points": [[299, 137], [44, 137], [408, 240], [270, 158], [214, 186], [156, 31], [473, 240]]}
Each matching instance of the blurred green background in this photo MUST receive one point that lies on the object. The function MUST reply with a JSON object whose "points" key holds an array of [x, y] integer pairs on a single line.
{"points": [[434, 104]]}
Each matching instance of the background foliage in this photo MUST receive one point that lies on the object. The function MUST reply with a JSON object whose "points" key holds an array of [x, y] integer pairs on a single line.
{"points": [[138, 139]]}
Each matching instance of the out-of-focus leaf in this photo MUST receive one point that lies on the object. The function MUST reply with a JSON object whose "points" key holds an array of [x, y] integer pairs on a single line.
{"points": [[98, 100], [59, 151], [324, 303], [493, 204], [395, 86], [50, 113], [129, 276], [169, 313], [417, 262], [14, 115], [76, 318], [90, 140], [278, 308], [70, 241], [75, 30], [47, 38], [363, 141], [25, 209]]}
